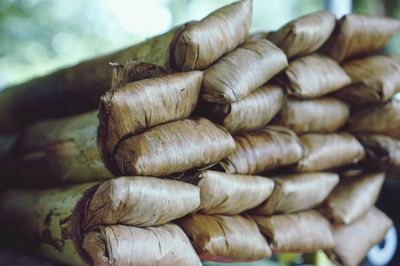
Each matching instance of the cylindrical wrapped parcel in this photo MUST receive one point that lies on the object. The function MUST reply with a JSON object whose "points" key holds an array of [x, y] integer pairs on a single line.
{"points": [[353, 197], [252, 112], [225, 238], [128, 245], [202, 43], [136, 106], [140, 201], [302, 232], [81, 148], [314, 76], [322, 115], [353, 241], [241, 71], [373, 79], [174, 147], [262, 150], [298, 192], [328, 151], [305, 34], [54, 220], [382, 152], [380, 119], [230, 194], [358, 35]]}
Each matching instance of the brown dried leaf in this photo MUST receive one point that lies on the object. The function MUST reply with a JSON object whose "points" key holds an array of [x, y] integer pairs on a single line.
{"points": [[230, 194], [218, 33], [313, 76], [305, 34], [242, 71], [302, 232], [174, 147], [353, 197], [225, 238], [298, 192], [322, 115], [355, 240], [262, 150], [252, 112], [128, 245], [328, 151], [357, 35]]}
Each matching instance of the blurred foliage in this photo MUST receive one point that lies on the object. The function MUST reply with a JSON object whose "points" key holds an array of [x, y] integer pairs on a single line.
{"points": [[38, 36]]}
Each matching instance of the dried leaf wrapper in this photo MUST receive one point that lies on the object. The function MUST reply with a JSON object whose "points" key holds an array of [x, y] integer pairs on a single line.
{"points": [[258, 35], [380, 119], [225, 238], [353, 197], [355, 240], [305, 34], [328, 151], [136, 106], [383, 152], [252, 112], [322, 115], [230, 194], [140, 201], [374, 79], [313, 76], [220, 32], [242, 71], [128, 245], [358, 35], [262, 150], [298, 192], [302, 232], [174, 147]]}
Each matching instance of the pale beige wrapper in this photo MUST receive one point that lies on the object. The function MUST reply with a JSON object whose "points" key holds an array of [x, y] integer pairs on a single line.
{"points": [[353, 197], [129, 246], [298, 192], [303, 232]]}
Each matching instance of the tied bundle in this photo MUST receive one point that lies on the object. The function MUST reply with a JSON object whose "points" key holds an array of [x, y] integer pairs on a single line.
{"points": [[62, 217]]}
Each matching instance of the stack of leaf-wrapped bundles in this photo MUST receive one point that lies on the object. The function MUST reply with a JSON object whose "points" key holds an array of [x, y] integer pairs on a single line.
{"points": [[252, 141]]}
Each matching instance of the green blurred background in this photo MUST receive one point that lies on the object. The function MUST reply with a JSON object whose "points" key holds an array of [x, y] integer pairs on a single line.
{"points": [[38, 36]]}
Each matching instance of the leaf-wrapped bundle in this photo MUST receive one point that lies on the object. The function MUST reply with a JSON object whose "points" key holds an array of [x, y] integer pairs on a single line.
{"points": [[328, 151], [353, 197], [242, 71], [358, 35], [262, 150], [298, 192], [302, 232], [225, 238], [322, 115], [201, 43]]}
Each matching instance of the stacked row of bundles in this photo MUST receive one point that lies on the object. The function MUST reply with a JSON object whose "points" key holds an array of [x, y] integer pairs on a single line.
{"points": [[210, 145]]}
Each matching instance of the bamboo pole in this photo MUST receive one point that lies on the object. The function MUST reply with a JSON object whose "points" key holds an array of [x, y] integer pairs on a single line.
{"points": [[77, 89], [47, 220]]}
